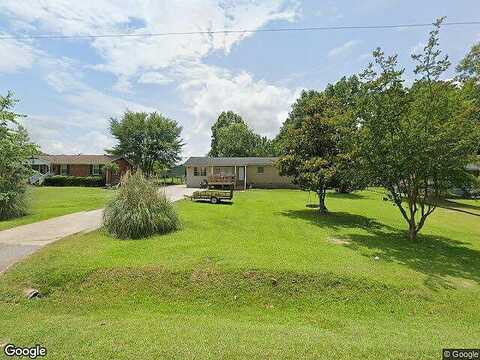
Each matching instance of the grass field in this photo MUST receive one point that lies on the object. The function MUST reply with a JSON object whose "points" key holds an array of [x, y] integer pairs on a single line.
{"points": [[264, 278], [48, 202]]}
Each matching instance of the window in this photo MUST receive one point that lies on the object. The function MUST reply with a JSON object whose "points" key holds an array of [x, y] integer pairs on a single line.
{"points": [[64, 169], [203, 171], [260, 170], [96, 169], [195, 171]]}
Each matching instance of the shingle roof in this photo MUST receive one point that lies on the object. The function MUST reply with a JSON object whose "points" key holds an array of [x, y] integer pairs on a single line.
{"points": [[229, 161], [77, 159]]}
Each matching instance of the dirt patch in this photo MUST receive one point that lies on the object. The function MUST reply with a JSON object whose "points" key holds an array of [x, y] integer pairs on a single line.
{"points": [[338, 241]]}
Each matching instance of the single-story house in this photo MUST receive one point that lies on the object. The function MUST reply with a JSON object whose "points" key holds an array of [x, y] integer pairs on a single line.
{"points": [[242, 172], [79, 165]]}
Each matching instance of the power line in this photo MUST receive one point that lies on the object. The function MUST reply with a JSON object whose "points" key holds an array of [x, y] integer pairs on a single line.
{"points": [[212, 32]]}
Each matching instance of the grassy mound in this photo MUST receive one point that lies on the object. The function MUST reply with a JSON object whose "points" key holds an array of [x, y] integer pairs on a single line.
{"points": [[139, 210]]}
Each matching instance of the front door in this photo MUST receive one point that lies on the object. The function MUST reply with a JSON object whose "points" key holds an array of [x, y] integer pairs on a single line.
{"points": [[241, 173]]}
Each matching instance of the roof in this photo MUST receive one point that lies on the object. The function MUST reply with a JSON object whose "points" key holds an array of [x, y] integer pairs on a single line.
{"points": [[229, 161], [77, 159]]}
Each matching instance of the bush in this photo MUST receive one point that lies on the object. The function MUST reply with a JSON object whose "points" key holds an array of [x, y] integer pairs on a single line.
{"points": [[139, 210], [13, 202], [87, 181]]}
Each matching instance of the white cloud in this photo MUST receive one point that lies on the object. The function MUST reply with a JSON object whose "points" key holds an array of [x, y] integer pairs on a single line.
{"points": [[81, 126], [126, 57], [344, 49], [16, 55], [208, 90], [205, 90], [154, 78]]}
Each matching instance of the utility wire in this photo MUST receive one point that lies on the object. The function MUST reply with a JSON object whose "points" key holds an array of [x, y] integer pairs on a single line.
{"points": [[212, 32]]}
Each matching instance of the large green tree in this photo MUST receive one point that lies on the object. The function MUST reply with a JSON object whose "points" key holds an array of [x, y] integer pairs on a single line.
{"points": [[469, 66], [147, 140], [345, 91], [16, 151], [343, 94], [231, 136], [225, 119], [316, 149], [415, 142]]}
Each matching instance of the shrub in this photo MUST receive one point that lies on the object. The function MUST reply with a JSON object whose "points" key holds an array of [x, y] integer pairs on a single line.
{"points": [[87, 181], [15, 152], [13, 202], [139, 210]]}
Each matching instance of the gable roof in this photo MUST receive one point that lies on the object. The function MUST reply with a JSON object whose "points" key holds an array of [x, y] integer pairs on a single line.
{"points": [[229, 161], [77, 159]]}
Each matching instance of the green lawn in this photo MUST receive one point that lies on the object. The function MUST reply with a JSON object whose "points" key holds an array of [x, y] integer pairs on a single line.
{"points": [[264, 278], [48, 202]]}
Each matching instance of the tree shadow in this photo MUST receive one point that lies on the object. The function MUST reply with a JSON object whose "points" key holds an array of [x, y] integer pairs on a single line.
{"points": [[350, 196], [336, 220], [460, 207], [436, 257], [207, 202]]}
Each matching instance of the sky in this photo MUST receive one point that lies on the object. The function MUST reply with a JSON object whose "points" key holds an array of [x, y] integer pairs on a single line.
{"points": [[70, 88]]}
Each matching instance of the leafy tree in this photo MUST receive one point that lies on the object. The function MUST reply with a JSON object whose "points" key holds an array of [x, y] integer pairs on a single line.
{"points": [[344, 94], [346, 91], [16, 150], [264, 147], [237, 139], [225, 119], [415, 142], [146, 140], [468, 74], [314, 150], [295, 118], [469, 66], [231, 136], [111, 167]]}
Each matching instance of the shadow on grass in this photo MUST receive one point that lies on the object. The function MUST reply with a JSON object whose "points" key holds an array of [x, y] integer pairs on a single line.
{"points": [[435, 256], [460, 207], [207, 202], [350, 196], [337, 220]]}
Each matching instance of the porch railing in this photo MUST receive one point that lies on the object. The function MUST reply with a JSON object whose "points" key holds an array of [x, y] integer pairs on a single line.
{"points": [[221, 179]]}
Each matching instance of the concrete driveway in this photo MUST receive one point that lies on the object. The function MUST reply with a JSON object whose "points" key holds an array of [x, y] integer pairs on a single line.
{"points": [[21, 241]]}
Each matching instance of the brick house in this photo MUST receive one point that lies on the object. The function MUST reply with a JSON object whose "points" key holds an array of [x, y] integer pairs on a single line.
{"points": [[80, 165]]}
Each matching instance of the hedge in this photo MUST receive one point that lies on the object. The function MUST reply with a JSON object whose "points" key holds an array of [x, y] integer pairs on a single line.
{"points": [[88, 181]]}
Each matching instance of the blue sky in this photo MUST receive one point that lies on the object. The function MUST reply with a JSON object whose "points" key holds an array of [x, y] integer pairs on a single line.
{"points": [[70, 88]]}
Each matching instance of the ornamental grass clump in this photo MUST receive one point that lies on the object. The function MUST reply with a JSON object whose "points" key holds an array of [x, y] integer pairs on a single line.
{"points": [[139, 210]]}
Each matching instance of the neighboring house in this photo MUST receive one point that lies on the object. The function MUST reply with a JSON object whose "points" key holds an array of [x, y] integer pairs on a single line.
{"points": [[242, 172], [79, 165]]}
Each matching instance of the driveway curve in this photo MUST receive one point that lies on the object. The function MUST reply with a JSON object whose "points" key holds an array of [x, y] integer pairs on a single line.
{"points": [[21, 241]]}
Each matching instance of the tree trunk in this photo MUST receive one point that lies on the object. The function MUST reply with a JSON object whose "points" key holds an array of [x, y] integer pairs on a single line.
{"points": [[412, 230], [321, 201]]}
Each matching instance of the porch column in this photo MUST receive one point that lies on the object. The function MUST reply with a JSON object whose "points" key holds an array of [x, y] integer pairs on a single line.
{"points": [[235, 181], [245, 178]]}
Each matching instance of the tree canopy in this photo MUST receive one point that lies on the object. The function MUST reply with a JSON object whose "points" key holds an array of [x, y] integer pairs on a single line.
{"points": [[232, 137], [315, 146], [225, 119], [16, 150], [417, 141], [469, 66], [147, 140]]}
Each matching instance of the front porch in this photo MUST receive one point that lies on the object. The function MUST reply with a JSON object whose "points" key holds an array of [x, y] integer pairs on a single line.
{"points": [[226, 176]]}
